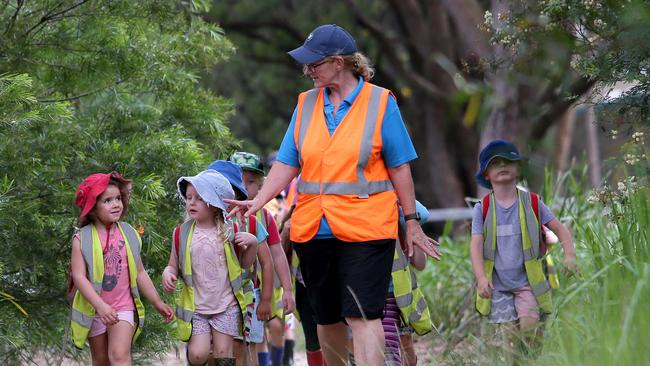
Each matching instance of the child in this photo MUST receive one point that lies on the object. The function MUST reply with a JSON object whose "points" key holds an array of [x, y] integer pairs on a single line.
{"points": [[211, 304], [282, 299], [506, 247], [304, 311], [260, 309], [108, 273], [406, 309]]}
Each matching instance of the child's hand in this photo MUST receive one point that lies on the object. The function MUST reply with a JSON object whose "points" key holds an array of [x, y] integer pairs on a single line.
{"points": [[485, 288], [168, 280], [107, 314], [244, 240], [288, 302], [165, 310], [264, 310], [569, 263]]}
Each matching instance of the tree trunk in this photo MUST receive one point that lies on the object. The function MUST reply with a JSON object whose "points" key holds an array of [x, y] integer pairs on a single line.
{"points": [[563, 140], [593, 147], [446, 187]]}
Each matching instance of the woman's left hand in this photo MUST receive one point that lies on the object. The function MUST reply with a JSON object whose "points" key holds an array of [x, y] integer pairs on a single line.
{"points": [[243, 208], [415, 236]]}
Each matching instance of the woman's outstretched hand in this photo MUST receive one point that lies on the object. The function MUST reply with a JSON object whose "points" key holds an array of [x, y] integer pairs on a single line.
{"points": [[243, 208]]}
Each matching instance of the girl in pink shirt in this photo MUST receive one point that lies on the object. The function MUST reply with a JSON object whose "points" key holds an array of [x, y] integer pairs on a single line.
{"points": [[105, 307]]}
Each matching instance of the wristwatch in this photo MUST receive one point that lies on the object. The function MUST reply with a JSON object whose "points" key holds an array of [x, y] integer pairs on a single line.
{"points": [[412, 216]]}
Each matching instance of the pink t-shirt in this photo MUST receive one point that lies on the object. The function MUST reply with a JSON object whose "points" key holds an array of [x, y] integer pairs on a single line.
{"points": [[212, 291], [116, 290]]}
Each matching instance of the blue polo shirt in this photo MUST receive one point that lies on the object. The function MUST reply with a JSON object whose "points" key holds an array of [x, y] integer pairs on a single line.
{"points": [[397, 147]]}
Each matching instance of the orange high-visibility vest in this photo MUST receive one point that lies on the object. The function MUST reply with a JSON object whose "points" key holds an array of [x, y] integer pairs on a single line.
{"points": [[344, 176]]}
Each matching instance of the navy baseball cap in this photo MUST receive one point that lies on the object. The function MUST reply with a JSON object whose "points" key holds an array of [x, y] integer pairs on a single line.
{"points": [[326, 40], [232, 172], [496, 148]]}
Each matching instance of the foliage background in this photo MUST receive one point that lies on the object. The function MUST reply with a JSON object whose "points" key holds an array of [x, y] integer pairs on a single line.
{"points": [[95, 86], [463, 71], [153, 89]]}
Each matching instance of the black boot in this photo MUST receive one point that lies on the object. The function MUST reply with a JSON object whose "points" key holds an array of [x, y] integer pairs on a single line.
{"points": [[287, 357], [224, 362]]}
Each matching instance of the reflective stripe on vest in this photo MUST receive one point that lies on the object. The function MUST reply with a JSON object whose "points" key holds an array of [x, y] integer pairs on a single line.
{"points": [[185, 306], [82, 312], [343, 174], [410, 300], [530, 245], [553, 279]]}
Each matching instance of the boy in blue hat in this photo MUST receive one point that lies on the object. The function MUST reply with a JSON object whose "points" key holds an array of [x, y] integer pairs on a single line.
{"points": [[507, 245]]}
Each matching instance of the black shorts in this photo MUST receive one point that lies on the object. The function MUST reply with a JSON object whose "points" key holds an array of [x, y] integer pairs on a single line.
{"points": [[346, 280]]}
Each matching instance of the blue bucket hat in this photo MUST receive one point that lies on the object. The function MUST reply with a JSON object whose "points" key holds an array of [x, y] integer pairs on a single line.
{"points": [[211, 186], [326, 40], [232, 172], [496, 148]]}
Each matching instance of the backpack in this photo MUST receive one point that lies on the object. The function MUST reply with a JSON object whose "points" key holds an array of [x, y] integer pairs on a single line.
{"points": [[534, 200]]}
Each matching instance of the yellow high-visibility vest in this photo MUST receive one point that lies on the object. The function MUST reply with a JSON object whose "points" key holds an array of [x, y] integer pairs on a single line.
{"points": [[185, 306], [410, 300], [82, 312], [530, 238]]}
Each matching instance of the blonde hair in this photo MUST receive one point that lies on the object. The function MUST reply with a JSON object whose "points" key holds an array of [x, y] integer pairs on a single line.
{"points": [[224, 228], [359, 64]]}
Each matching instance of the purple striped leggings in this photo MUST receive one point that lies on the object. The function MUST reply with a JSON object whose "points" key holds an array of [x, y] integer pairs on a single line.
{"points": [[391, 323]]}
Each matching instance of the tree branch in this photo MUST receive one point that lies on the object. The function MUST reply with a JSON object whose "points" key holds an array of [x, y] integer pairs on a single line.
{"points": [[245, 26], [552, 115], [466, 15], [12, 21], [79, 96], [416, 37], [387, 45], [48, 17]]}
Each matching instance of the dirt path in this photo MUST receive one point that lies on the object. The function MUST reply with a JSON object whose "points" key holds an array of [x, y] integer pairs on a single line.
{"points": [[170, 359]]}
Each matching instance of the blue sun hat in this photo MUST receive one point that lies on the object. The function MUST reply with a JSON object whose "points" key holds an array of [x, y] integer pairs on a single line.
{"points": [[496, 148], [212, 186], [326, 40], [232, 172]]}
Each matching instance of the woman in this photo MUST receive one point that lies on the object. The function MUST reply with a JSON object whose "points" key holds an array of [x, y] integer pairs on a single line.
{"points": [[349, 142]]}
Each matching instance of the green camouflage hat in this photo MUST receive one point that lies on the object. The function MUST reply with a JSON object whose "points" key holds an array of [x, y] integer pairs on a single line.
{"points": [[248, 161]]}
